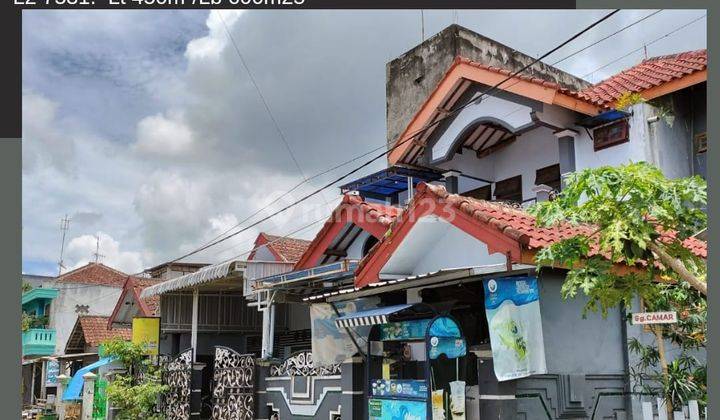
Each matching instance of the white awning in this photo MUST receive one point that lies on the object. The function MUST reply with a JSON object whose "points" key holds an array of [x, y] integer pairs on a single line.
{"points": [[202, 276]]}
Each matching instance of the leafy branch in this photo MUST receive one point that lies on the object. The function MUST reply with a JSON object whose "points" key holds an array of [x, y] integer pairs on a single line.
{"points": [[136, 391]]}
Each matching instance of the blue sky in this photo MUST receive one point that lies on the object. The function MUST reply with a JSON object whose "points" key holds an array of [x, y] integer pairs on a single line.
{"points": [[144, 127]]}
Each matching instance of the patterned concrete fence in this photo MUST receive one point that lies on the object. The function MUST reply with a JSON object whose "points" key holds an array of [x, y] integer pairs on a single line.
{"points": [[657, 411]]}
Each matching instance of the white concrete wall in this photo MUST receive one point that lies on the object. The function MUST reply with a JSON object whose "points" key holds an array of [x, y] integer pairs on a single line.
{"points": [[435, 244], [671, 143], [635, 150], [100, 300], [264, 254], [514, 115], [354, 251], [531, 151]]}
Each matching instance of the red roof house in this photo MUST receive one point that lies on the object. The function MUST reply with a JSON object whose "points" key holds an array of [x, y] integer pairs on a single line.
{"points": [[283, 249], [652, 78], [94, 274], [505, 230], [130, 304], [90, 331]]}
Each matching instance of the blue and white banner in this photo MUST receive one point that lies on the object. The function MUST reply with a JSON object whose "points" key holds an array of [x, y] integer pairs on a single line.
{"points": [[513, 314]]}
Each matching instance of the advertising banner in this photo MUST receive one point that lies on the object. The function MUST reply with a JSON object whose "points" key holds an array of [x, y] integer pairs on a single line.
{"points": [[330, 344], [146, 330], [513, 314], [381, 409]]}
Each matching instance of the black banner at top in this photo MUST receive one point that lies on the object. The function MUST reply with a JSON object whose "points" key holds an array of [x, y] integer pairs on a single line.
{"points": [[294, 4]]}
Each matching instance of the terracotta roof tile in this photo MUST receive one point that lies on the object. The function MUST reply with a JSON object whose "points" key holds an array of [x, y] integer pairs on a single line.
{"points": [[650, 73], [520, 225], [151, 303], [289, 249], [94, 273], [95, 330]]}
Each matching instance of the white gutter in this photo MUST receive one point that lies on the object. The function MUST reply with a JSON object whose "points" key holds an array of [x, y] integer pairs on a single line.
{"points": [[445, 276]]}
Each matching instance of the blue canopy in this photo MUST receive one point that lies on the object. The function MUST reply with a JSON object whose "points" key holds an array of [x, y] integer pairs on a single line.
{"points": [[74, 388], [389, 181]]}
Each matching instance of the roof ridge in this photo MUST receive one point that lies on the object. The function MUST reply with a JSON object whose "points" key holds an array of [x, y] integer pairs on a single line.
{"points": [[682, 54]]}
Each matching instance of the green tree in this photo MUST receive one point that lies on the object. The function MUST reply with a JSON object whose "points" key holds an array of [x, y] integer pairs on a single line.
{"points": [[136, 391], [634, 221]]}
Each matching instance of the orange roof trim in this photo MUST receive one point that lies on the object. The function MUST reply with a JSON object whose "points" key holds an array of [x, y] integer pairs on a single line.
{"points": [[135, 285], [651, 78], [502, 228], [372, 217], [462, 70]]}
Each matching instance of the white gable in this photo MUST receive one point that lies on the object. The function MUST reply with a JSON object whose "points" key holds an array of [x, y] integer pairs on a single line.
{"points": [[510, 114], [433, 244]]}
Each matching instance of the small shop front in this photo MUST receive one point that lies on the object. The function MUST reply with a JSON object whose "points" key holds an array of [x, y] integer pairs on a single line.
{"points": [[449, 355], [416, 363]]}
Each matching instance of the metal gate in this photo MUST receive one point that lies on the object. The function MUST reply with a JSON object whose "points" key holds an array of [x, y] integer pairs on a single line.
{"points": [[177, 375], [234, 391]]}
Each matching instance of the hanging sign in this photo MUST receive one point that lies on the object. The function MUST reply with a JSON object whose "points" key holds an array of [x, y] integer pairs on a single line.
{"points": [[146, 331], [643, 318], [512, 307], [52, 370]]}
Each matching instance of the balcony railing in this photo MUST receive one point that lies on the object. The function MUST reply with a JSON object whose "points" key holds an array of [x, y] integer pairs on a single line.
{"points": [[38, 342]]}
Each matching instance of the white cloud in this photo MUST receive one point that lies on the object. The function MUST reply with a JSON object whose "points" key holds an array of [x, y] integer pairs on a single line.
{"points": [[211, 45], [80, 251], [149, 118], [45, 143], [163, 135]]}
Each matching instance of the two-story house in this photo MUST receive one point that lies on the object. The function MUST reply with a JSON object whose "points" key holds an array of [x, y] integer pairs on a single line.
{"points": [[464, 160]]}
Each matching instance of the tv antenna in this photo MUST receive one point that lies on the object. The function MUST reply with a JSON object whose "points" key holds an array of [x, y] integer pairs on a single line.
{"points": [[98, 256], [64, 226]]}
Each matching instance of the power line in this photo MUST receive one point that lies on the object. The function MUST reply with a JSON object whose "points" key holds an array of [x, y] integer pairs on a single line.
{"points": [[607, 37], [679, 28], [312, 209], [260, 94], [280, 238], [272, 118], [585, 48], [273, 241], [400, 142]]}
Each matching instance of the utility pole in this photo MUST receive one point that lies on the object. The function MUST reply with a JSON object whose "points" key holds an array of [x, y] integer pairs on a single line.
{"points": [[422, 25], [64, 226]]}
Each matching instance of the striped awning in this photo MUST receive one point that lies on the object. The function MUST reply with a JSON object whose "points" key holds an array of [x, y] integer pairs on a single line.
{"points": [[383, 315]]}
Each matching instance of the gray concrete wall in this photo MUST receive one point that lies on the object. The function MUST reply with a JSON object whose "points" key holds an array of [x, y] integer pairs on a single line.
{"points": [[573, 344], [298, 397], [412, 76]]}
